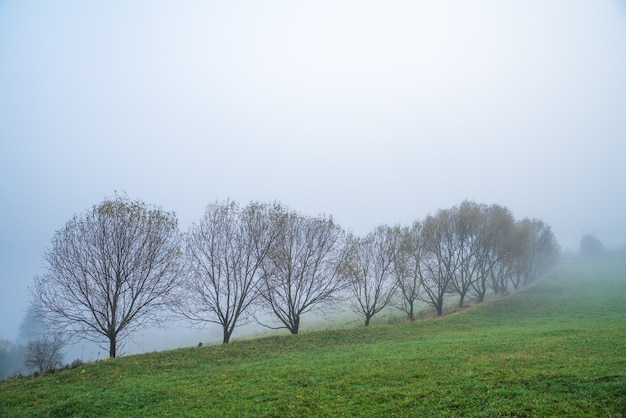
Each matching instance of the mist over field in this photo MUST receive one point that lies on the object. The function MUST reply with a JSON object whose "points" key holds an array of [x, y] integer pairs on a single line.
{"points": [[371, 112]]}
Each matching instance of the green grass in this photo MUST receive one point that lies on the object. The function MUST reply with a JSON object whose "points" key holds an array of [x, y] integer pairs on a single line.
{"points": [[556, 348]]}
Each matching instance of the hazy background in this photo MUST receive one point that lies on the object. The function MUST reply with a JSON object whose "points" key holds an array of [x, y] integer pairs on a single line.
{"points": [[371, 111]]}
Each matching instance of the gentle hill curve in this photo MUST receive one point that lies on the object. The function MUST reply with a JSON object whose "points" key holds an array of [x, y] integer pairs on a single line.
{"points": [[556, 348]]}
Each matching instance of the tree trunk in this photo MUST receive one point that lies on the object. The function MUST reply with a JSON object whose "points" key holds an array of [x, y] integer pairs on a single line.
{"points": [[112, 345], [226, 335], [439, 306], [295, 326]]}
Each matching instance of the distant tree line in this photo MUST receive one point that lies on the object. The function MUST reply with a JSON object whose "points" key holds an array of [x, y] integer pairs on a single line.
{"points": [[36, 349], [465, 251], [123, 264]]}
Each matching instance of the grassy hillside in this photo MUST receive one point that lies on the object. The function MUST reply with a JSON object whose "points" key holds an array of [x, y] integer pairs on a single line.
{"points": [[557, 348]]}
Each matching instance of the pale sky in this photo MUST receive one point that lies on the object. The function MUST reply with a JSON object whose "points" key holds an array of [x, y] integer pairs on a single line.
{"points": [[371, 111]]}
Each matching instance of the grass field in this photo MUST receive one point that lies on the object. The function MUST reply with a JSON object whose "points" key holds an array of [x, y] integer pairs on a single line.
{"points": [[556, 348]]}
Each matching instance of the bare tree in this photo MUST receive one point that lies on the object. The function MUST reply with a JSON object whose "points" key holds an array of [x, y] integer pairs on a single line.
{"points": [[407, 266], [495, 245], [301, 273], [510, 266], [469, 232], [528, 252], [369, 270], [539, 249], [442, 257], [500, 276], [225, 251], [111, 271], [44, 354]]}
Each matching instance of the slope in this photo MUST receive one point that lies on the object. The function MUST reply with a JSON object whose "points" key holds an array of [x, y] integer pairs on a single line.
{"points": [[556, 348]]}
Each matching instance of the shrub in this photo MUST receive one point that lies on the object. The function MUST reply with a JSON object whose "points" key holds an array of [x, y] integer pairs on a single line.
{"points": [[44, 355]]}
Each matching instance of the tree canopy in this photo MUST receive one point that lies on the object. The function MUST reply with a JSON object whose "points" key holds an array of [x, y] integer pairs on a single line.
{"points": [[110, 271]]}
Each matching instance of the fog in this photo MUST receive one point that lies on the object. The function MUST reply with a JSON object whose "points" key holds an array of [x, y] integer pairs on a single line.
{"points": [[372, 112]]}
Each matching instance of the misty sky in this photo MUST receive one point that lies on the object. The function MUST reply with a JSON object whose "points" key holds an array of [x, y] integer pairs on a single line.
{"points": [[371, 111]]}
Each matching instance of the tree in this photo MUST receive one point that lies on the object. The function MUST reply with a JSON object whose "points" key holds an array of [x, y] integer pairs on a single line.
{"points": [[516, 264], [495, 246], [546, 249], [110, 271], [33, 324], [369, 270], [590, 246], [44, 354], [9, 353], [301, 272], [442, 257], [225, 251], [469, 232], [536, 251], [407, 266]]}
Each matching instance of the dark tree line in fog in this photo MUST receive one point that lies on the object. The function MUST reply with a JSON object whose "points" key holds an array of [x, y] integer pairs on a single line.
{"points": [[123, 265]]}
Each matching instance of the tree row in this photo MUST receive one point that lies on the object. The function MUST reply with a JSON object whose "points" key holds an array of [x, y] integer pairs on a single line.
{"points": [[123, 265]]}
